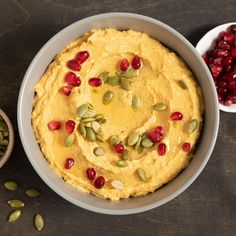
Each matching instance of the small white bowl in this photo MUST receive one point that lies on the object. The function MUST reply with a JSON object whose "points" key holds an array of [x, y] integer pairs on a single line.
{"points": [[206, 43]]}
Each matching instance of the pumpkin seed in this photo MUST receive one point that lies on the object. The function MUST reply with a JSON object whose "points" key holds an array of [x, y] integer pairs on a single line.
{"points": [[121, 163], [87, 120], [16, 203], [147, 143], [38, 222], [137, 144], [107, 98], [32, 192], [102, 121], [4, 142], [144, 135], [142, 174], [81, 110], [99, 137], [136, 102], [98, 151], [99, 117], [113, 140], [3, 126], [14, 216], [96, 127], [159, 106], [124, 141], [90, 106], [90, 134], [125, 84], [1, 135], [82, 130], [69, 140], [140, 149], [89, 114], [126, 155], [133, 138], [192, 126], [113, 80], [182, 84], [11, 185], [104, 76], [117, 184], [129, 73], [5, 134]]}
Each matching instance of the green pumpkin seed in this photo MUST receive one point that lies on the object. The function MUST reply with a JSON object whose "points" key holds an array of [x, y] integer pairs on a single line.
{"points": [[113, 80], [4, 142], [32, 192], [87, 120], [133, 138], [99, 117], [5, 134], [14, 216], [89, 114], [82, 130], [113, 140], [144, 135], [102, 121], [160, 106], [104, 76], [69, 140], [126, 155], [125, 84], [121, 163], [182, 84], [107, 98], [11, 185], [137, 144], [90, 134], [136, 102], [38, 222], [81, 110], [129, 73], [117, 184], [142, 174], [16, 203], [147, 143], [3, 126], [99, 138], [96, 127], [90, 106], [98, 151], [192, 126]]}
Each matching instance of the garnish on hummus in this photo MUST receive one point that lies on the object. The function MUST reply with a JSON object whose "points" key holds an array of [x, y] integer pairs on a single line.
{"points": [[117, 114]]}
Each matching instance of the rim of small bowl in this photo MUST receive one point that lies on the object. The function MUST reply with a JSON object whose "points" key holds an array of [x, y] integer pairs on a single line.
{"points": [[78, 202], [212, 35], [10, 145]]}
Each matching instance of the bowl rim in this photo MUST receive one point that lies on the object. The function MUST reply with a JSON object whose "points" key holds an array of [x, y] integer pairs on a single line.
{"points": [[77, 202]]}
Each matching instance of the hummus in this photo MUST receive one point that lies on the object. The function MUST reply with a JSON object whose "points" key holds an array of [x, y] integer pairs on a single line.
{"points": [[162, 79]]}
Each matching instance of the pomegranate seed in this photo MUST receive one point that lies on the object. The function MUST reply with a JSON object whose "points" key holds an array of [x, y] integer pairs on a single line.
{"points": [[70, 126], [232, 97], [154, 136], [91, 173], [233, 52], [159, 130], [222, 91], [176, 116], [227, 68], [186, 147], [69, 163], [124, 65], [74, 65], [95, 82], [228, 102], [232, 85], [228, 61], [224, 45], [161, 149], [136, 62], [228, 77], [82, 56], [99, 182], [222, 84], [229, 38], [233, 29], [222, 52], [54, 125], [215, 68], [220, 97], [72, 79], [215, 76], [218, 61], [205, 58], [119, 148], [66, 90]]}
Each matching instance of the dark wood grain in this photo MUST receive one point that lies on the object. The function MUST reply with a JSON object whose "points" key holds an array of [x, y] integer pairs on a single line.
{"points": [[208, 207]]}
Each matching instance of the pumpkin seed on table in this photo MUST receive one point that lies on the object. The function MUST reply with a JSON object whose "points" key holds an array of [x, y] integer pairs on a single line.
{"points": [[82, 130], [96, 127], [81, 110], [147, 143], [104, 76], [14, 216], [99, 138], [32, 192], [160, 106], [182, 84], [98, 151], [126, 155], [113, 140], [90, 134], [102, 121], [117, 184], [107, 97], [136, 102], [142, 174], [129, 73], [87, 120], [69, 140], [16, 203], [125, 84], [11, 185], [88, 114], [192, 126], [144, 135], [99, 117], [121, 163], [137, 144], [114, 80], [133, 138], [38, 222]]}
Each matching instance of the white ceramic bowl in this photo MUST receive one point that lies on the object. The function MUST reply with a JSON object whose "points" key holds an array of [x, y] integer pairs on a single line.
{"points": [[207, 42], [170, 38]]}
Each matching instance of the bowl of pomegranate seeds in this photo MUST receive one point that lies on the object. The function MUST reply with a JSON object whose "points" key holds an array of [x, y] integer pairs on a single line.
{"points": [[218, 50]]}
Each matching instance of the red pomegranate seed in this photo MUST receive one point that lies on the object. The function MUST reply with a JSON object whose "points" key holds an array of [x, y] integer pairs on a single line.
{"points": [[186, 147], [54, 125], [95, 82], [66, 90], [228, 77], [218, 61], [222, 84], [232, 97], [72, 79], [222, 91], [220, 97], [119, 148], [228, 102], [224, 45], [74, 65], [161, 149], [229, 38], [232, 85], [69, 163], [70, 126], [176, 116], [215, 68], [233, 52], [91, 173], [124, 65], [227, 61], [154, 136], [159, 130], [205, 58], [136, 62], [221, 52], [82, 56], [233, 29], [99, 182]]}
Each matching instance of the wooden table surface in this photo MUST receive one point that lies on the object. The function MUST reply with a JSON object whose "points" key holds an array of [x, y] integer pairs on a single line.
{"points": [[207, 207]]}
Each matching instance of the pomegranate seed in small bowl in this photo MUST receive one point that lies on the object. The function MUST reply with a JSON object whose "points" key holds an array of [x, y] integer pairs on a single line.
{"points": [[218, 50]]}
